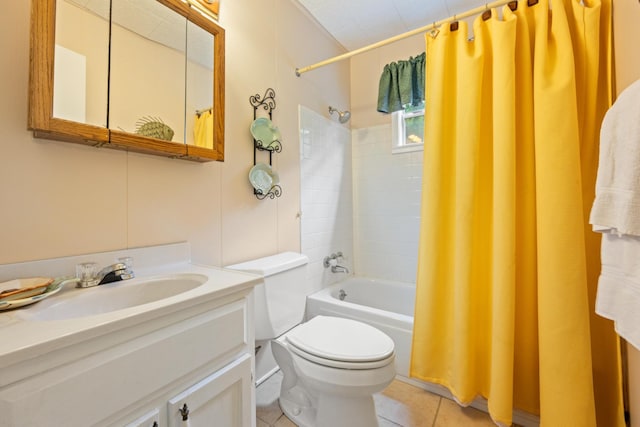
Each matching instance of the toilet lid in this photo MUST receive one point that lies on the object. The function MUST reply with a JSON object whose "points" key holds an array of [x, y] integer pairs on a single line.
{"points": [[342, 340]]}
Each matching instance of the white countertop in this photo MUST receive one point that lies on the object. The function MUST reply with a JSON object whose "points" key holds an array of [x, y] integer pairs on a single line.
{"points": [[24, 338]]}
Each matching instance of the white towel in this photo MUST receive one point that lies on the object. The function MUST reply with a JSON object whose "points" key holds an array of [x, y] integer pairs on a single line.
{"points": [[616, 213], [618, 296], [617, 204]]}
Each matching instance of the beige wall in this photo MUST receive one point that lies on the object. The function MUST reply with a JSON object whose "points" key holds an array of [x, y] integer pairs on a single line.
{"points": [[626, 25], [62, 199]]}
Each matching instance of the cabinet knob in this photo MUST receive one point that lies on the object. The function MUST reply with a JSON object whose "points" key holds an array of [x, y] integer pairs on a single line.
{"points": [[184, 411], [155, 424]]}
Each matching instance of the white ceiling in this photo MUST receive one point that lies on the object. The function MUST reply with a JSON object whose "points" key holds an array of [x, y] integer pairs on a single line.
{"points": [[358, 23]]}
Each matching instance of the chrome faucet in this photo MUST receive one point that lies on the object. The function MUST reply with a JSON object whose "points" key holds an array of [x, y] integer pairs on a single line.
{"points": [[339, 269], [87, 277], [332, 261]]}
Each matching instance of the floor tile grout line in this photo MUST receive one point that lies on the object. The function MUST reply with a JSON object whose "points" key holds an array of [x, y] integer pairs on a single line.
{"points": [[437, 412], [279, 418]]}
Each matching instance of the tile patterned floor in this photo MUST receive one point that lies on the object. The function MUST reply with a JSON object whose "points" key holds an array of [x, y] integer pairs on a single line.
{"points": [[399, 405]]}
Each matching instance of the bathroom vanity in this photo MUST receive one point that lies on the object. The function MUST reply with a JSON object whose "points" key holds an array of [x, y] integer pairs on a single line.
{"points": [[176, 360]]}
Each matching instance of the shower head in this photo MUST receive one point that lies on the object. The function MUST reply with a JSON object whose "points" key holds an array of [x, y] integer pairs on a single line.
{"points": [[343, 116]]}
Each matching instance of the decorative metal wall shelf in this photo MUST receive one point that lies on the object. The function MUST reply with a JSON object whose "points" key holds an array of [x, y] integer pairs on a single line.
{"points": [[267, 103]]}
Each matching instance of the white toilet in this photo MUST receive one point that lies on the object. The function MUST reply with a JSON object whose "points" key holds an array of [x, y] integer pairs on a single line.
{"points": [[332, 366]]}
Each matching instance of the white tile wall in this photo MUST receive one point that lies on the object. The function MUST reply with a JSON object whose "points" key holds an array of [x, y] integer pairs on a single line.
{"points": [[326, 194], [358, 198], [387, 190]]}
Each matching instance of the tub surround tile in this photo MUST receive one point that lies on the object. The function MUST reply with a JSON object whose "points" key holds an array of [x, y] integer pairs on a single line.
{"points": [[386, 206], [326, 199]]}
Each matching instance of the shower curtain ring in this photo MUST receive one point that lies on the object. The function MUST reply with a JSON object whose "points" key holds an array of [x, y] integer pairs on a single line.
{"points": [[434, 31], [453, 26], [487, 12]]}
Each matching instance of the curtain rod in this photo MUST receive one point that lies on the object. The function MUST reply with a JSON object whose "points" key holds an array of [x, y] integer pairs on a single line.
{"points": [[394, 39]]}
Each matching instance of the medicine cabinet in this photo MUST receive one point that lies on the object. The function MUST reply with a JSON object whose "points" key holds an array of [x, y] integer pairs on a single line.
{"points": [[139, 75]]}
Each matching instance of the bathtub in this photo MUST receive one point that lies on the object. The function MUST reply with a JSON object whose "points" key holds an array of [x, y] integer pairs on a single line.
{"points": [[384, 304]]}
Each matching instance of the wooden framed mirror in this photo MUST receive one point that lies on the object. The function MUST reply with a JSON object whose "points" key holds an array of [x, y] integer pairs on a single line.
{"points": [[138, 75]]}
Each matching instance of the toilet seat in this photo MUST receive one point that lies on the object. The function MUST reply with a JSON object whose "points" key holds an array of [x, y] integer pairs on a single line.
{"points": [[341, 343]]}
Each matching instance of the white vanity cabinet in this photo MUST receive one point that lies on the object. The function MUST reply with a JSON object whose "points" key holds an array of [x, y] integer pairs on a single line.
{"points": [[221, 399], [150, 419], [141, 370]]}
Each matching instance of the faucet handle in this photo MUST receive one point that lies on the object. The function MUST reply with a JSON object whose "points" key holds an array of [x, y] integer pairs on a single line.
{"points": [[332, 260], [126, 260], [326, 261], [87, 273]]}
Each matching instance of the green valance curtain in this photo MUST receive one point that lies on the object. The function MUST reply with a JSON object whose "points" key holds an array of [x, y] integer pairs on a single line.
{"points": [[401, 84]]}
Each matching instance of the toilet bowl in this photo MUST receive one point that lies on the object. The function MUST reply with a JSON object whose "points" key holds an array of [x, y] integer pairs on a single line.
{"points": [[331, 368]]}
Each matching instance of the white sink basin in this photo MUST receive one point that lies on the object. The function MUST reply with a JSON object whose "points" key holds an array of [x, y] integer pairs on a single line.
{"points": [[112, 297]]}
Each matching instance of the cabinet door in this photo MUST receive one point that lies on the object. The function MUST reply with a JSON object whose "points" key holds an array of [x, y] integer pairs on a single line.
{"points": [[224, 398], [150, 419]]}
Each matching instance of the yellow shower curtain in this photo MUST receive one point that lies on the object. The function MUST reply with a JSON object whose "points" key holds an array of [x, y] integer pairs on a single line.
{"points": [[508, 264], [203, 129]]}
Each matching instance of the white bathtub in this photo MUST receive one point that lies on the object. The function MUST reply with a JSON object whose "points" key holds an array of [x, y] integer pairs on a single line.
{"points": [[384, 304]]}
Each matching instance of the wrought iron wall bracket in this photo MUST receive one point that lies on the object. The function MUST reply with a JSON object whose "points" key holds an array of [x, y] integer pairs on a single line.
{"points": [[274, 192], [267, 103]]}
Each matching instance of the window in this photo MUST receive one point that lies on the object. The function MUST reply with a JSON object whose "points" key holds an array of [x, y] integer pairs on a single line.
{"points": [[408, 129]]}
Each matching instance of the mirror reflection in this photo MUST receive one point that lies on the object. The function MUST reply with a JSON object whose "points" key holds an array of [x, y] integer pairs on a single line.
{"points": [[138, 75], [161, 78], [147, 89], [199, 90], [81, 63]]}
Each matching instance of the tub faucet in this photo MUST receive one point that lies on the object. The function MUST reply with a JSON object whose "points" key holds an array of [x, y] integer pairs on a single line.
{"points": [[332, 261], [339, 269], [87, 276]]}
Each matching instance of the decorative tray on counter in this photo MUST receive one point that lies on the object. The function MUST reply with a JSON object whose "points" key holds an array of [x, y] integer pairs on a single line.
{"points": [[20, 292]]}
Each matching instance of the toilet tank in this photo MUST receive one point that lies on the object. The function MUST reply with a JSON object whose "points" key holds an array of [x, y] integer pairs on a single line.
{"points": [[280, 301]]}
